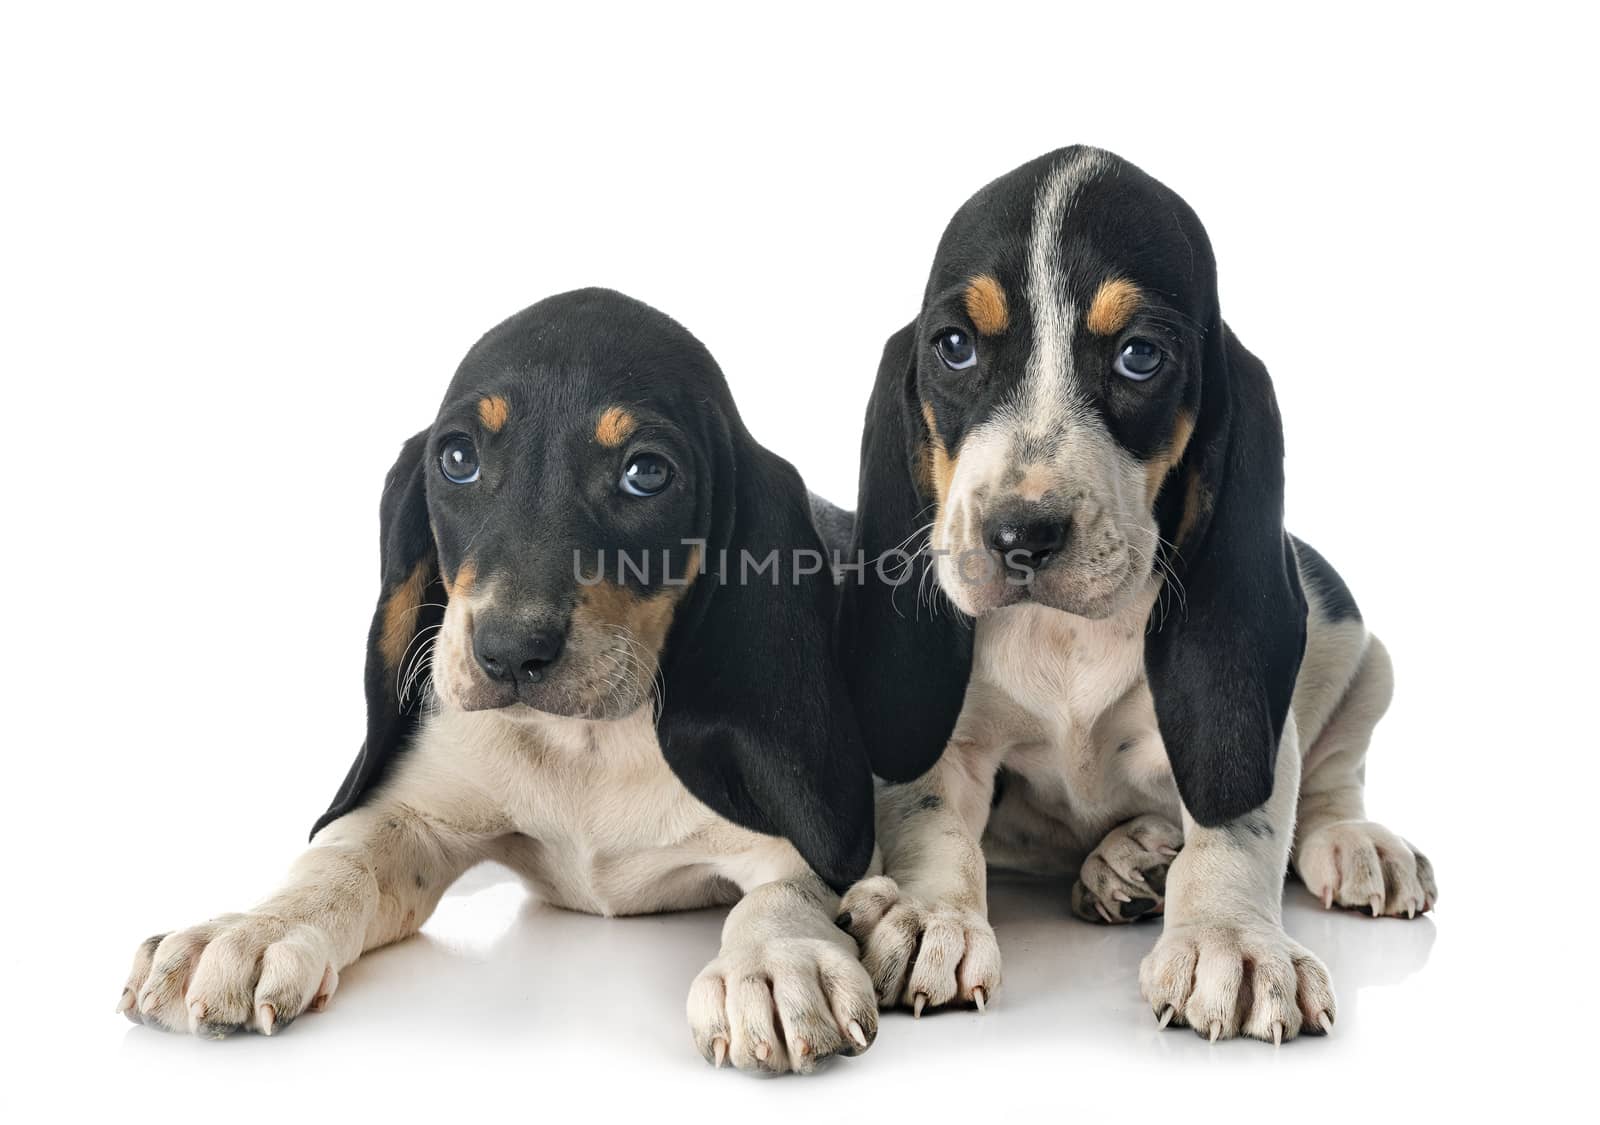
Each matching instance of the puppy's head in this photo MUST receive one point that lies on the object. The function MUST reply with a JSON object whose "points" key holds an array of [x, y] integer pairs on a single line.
{"points": [[1068, 415], [568, 481], [565, 540], [1059, 358]]}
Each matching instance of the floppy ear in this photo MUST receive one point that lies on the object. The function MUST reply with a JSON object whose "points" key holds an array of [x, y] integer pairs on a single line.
{"points": [[906, 663], [755, 719], [1223, 672], [410, 606]]}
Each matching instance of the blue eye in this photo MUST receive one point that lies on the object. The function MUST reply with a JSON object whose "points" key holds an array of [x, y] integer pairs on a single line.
{"points": [[1139, 359], [956, 349], [646, 475], [458, 459]]}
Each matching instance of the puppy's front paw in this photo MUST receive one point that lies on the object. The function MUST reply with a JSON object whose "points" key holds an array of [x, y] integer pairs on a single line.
{"points": [[1225, 979], [1125, 877], [1361, 865], [919, 954], [237, 971], [782, 1005]]}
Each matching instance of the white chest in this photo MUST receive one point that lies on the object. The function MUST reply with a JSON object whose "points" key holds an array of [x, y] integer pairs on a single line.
{"points": [[600, 822], [1062, 703]]}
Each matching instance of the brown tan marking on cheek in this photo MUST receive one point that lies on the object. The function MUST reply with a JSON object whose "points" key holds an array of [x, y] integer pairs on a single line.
{"points": [[986, 305], [400, 614], [1113, 306], [941, 466], [646, 616], [614, 427], [1167, 459], [461, 585], [1196, 503], [493, 411]]}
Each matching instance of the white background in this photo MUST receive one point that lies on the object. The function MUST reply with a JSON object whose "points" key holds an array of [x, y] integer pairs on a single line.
{"points": [[243, 253]]}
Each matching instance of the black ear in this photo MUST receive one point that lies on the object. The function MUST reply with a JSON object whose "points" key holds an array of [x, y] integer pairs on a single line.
{"points": [[906, 659], [410, 608], [1223, 671], [755, 719]]}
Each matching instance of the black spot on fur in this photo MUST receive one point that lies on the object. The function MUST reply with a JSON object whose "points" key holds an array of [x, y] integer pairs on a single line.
{"points": [[1324, 583], [1253, 823], [930, 802], [1127, 744], [421, 882], [844, 921], [1001, 780]]}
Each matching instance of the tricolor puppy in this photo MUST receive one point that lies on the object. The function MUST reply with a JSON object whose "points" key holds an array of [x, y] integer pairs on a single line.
{"points": [[566, 673], [1093, 465]]}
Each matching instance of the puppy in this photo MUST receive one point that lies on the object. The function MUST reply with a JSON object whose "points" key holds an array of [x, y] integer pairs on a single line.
{"points": [[1091, 464], [568, 672]]}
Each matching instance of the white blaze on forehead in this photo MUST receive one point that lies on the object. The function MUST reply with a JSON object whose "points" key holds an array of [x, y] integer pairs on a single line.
{"points": [[1048, 399]]}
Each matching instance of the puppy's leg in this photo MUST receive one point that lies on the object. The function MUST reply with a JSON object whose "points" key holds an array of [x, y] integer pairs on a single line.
{"points": [[786, 990], [1223, 964], [923, 925], [371, 877], [1339, 854], [1125, 877]]}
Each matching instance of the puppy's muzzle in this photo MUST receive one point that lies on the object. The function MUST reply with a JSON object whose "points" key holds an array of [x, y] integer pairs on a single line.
{"points": [[1026, 537], [513, 653]]}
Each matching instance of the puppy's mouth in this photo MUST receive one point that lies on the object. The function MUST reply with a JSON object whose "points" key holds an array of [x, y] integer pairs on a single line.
{"points": [[1091, 577], [599, 677]]}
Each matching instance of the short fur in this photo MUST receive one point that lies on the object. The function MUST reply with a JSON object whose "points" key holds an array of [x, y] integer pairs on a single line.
{"points": [[677, 740], [1161, 666]]}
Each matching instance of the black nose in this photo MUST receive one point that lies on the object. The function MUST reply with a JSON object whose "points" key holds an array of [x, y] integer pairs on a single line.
{"points": [[512, 653], [1026, 538]]}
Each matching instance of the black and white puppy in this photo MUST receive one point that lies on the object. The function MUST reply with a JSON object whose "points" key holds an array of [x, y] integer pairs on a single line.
{"points": [[1093, 465], [565, 673]]}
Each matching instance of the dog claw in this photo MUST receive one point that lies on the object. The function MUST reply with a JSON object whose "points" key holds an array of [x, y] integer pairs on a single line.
{"points": [[979, 999], [719, 1052], [1120, 897], [1166, 1016], [267, 1017], [1166, 851], [1326, 1022], [126, 1003], [919, 1002], [1216, 1030], [1377, 906], [763, 1050], [1103, 913], [1277, 1034], [857, 1034], [1327, 898]]}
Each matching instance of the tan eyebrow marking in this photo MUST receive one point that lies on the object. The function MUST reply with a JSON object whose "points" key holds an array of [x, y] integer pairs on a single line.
{"points": [[986, 305], [1113, 306], [615, 426], [493, 412]]}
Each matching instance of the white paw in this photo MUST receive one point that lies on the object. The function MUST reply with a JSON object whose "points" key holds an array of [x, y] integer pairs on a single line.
{"points": [[1225, 979], [782, 1005], [1361, 865], [1125, 877], [920, 955], [237, 971]]}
